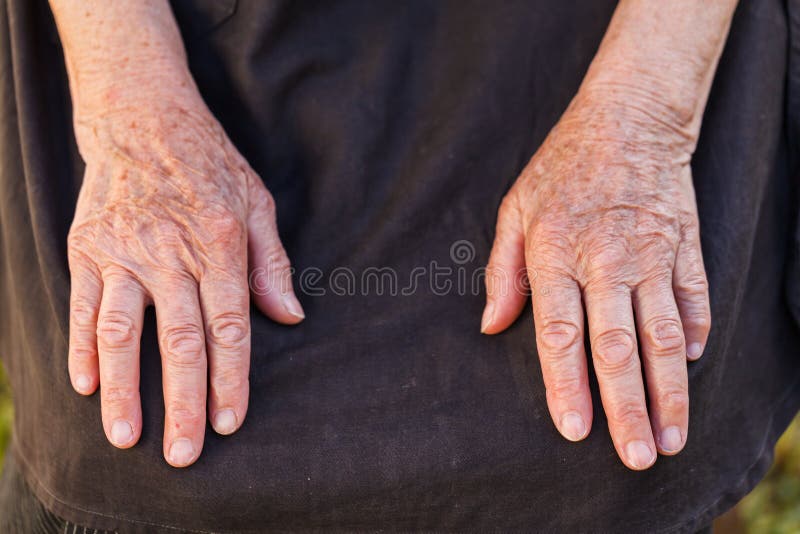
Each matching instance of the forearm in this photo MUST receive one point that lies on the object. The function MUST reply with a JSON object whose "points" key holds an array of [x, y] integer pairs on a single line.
{"points": [[120, 52], [659, 58]]}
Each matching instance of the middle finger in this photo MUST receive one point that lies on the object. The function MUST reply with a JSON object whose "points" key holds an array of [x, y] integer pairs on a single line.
{"points": [[619, 374], [184, 368]]}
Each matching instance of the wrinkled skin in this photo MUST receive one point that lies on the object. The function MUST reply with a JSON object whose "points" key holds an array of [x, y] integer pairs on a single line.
{"points": [[603, 222], [166, 214]]}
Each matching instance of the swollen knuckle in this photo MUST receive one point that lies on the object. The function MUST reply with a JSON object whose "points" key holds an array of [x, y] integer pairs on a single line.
{"points": [[184, 345], [664, 336], [559, 337], [116, 329], [229, 330], [614, 349]]}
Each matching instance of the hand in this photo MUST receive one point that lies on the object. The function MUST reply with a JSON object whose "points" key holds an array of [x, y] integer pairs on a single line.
{"points": [[604, 219], [169, 214]]}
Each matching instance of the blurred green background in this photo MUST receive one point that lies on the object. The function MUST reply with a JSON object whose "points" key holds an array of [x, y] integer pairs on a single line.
{"points": [[773, 507]]}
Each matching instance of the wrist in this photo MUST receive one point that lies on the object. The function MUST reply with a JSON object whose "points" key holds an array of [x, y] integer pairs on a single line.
{"points": [[141, 123], [102, 87], [674, 99], [640, 112]]}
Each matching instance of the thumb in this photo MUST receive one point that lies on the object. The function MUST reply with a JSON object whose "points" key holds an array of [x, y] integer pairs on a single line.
{"points": [[269, 267], [506, 280]]}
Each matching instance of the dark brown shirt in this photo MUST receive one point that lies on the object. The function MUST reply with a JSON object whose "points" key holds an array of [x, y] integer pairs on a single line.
{"points": [[388, 132]]}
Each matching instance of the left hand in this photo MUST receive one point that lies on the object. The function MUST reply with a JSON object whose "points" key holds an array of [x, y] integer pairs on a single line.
{"points": [[603, 220]]}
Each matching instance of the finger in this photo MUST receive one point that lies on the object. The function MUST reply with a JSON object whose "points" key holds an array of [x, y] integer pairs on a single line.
{"points": [[664, 355], [558, 316], [619, 374], [119, 330], [270, 270], [85, 294], [691, 292], [506, 289], [225, 302], [183, 360]]}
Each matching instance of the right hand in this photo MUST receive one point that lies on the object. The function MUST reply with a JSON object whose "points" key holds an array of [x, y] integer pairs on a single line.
{"points": [[170, 214]]}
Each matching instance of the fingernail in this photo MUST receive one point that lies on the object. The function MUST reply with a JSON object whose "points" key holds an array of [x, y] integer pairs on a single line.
{"points": [[694, 351], [225, 421], [671, 440], [572, 426], [639, 454], [121, 433], [181, 452], [82, 383], [488, 317], [293, 307]]}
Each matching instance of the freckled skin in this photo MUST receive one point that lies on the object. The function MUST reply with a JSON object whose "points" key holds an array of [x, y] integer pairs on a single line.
{"points": [[603, 224], [163, 218], [170, 215]]}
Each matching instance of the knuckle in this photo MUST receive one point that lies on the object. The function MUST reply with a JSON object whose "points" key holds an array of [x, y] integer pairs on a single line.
{"points": [[565, 387], [184, 345], [227, 227], [700, 321], [82, 352], [508, 205], [265, 201], [116, 329], [558, 337], [614, 350], [230, 380], [118, 395], [276, 258], [550, 241], [664, 336], [83, 313], [674, 401], [694, 285], [628, 413], [605, 259], [78, 241], [169, 232], [689, 225], [187, 414], [229, 330]]}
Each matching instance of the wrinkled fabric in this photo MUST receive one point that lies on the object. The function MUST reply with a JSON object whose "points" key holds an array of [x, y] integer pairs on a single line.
{"points": [[388, 132]]}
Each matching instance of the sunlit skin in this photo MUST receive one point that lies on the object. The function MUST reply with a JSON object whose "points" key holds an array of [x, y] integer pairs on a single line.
{"points": [[170, 215], [604, 217], [603, 222]]}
